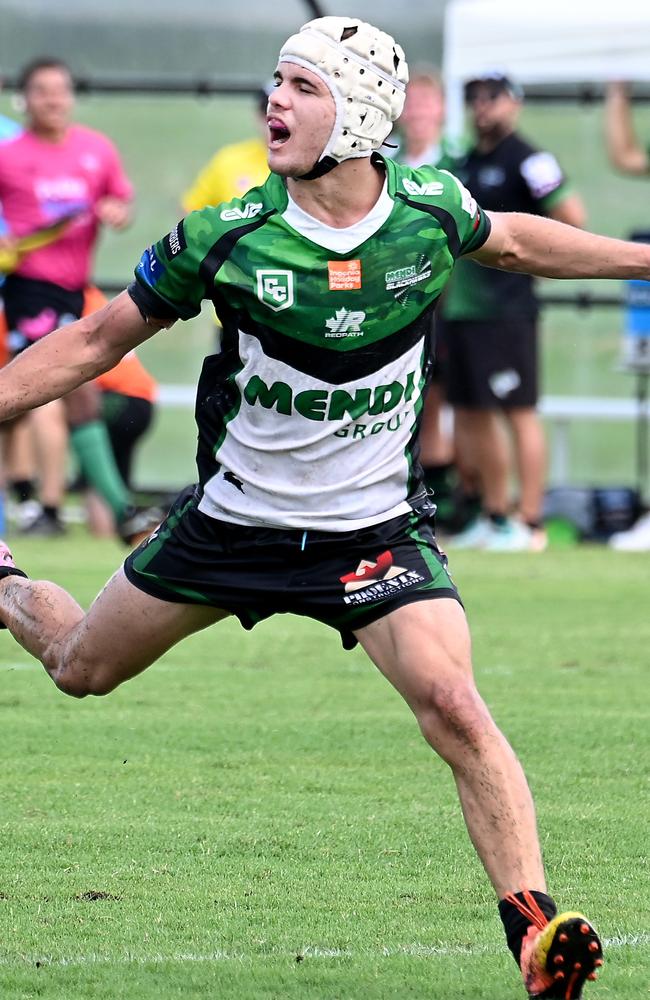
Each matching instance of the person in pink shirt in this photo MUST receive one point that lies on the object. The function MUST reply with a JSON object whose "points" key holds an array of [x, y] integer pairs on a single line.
{"points": [[59, 184]]}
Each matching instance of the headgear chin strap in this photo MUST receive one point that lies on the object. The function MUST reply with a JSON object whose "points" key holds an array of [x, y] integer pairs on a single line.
{"points": [[366, 73]]}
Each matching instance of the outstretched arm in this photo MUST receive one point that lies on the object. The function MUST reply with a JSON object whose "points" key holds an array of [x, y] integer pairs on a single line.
{"points": [[72, 355], [623, 148], [549, 249]]}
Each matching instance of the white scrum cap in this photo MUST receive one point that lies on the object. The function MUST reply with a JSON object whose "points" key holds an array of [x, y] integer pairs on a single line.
{"points": [[366, 72]]}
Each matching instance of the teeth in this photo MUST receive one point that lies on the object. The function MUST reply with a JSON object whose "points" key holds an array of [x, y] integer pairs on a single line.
{"points": [[278, 134]]}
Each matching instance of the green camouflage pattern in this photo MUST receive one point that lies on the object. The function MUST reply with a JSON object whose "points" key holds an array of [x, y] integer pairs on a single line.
{"points": [[404, 267]]}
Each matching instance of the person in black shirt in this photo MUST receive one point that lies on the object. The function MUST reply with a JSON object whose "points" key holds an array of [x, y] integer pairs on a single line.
{"points": [[491, 325]]}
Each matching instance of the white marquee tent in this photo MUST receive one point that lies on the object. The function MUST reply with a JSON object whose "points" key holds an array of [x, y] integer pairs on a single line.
{"points": [[558, 41]]}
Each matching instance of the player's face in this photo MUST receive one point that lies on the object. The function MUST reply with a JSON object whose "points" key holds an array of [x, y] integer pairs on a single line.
{"points": [[300, 119], [49, 100], [492, 110], [423, 114]]}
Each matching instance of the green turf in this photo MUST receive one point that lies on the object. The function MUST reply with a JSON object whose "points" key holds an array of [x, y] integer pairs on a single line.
{"points": [[256, 816]]}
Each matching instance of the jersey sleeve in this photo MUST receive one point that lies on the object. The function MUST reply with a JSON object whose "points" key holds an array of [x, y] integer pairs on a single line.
{"points": [[168, 283], [471, 224], [544, 178]]}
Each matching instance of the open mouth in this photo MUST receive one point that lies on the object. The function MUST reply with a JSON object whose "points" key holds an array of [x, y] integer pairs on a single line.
{"points": [[278, 132]]}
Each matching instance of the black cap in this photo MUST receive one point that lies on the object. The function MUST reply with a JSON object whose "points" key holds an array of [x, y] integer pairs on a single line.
{"points": [[498, 83]]}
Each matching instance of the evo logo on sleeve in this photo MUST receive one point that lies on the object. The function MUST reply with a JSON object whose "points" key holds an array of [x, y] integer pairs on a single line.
{"points": [[248, 211]]}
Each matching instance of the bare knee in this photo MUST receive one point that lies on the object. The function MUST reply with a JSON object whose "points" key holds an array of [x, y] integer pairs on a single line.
{"points": [[454, 720], [80, 686], [76, 677]]}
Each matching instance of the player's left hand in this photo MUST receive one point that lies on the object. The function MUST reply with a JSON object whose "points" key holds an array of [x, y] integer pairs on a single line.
{"points": [[113, 212]]}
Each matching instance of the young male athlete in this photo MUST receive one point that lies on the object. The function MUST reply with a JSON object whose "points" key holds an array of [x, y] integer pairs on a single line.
{"points": [[308, 500]]}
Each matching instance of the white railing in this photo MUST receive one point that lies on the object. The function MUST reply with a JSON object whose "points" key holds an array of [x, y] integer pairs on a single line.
{"points": [[559, 411]]}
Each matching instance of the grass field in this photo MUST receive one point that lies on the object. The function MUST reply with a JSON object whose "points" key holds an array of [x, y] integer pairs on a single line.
{"points": [[257, 817]]}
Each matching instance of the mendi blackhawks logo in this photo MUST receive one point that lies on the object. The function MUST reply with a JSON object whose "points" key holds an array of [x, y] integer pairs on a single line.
{"points": [[402, 279]]}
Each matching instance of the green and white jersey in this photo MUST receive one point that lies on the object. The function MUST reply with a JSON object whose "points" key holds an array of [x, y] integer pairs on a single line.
{"points": [[308, 416]]}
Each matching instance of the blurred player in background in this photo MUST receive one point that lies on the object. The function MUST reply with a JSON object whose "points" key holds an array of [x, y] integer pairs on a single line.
{"points": [[59, 183], [421, 122], [128, 394], [491, 327], [310, 496], [128, 402]]}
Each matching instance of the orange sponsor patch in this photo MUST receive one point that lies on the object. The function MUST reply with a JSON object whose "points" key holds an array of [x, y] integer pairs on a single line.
{"points": [[344, 275]]}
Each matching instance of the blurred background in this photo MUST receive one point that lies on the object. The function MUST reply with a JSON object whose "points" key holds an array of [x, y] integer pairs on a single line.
{"points": [[172, 83]]}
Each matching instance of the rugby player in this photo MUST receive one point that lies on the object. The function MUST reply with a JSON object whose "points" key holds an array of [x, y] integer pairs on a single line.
{"points": [[308, 499]]}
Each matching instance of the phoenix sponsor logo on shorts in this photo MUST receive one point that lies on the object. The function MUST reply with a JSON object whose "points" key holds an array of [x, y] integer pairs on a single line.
{"points": [[175, 242], [374, 581], [345, 323], [344, 275], [275, 288], [402, 279]]}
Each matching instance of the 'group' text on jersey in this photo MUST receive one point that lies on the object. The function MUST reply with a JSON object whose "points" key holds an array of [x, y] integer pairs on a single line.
{"points": [[308, 416]]}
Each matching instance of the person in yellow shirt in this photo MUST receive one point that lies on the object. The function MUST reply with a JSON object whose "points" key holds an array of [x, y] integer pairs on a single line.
{"points": [[233, 169]]}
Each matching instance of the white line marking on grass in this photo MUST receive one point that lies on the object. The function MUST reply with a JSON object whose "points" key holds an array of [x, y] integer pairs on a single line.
{"points": [[415, 950], [627, 940]]}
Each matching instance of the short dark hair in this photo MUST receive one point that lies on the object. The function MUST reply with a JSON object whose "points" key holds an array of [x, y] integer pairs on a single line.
{"points": [[36, 65]]}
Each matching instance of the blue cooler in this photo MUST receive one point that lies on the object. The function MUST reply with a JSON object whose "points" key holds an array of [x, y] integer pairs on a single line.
{"points": [[636, 335]]}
